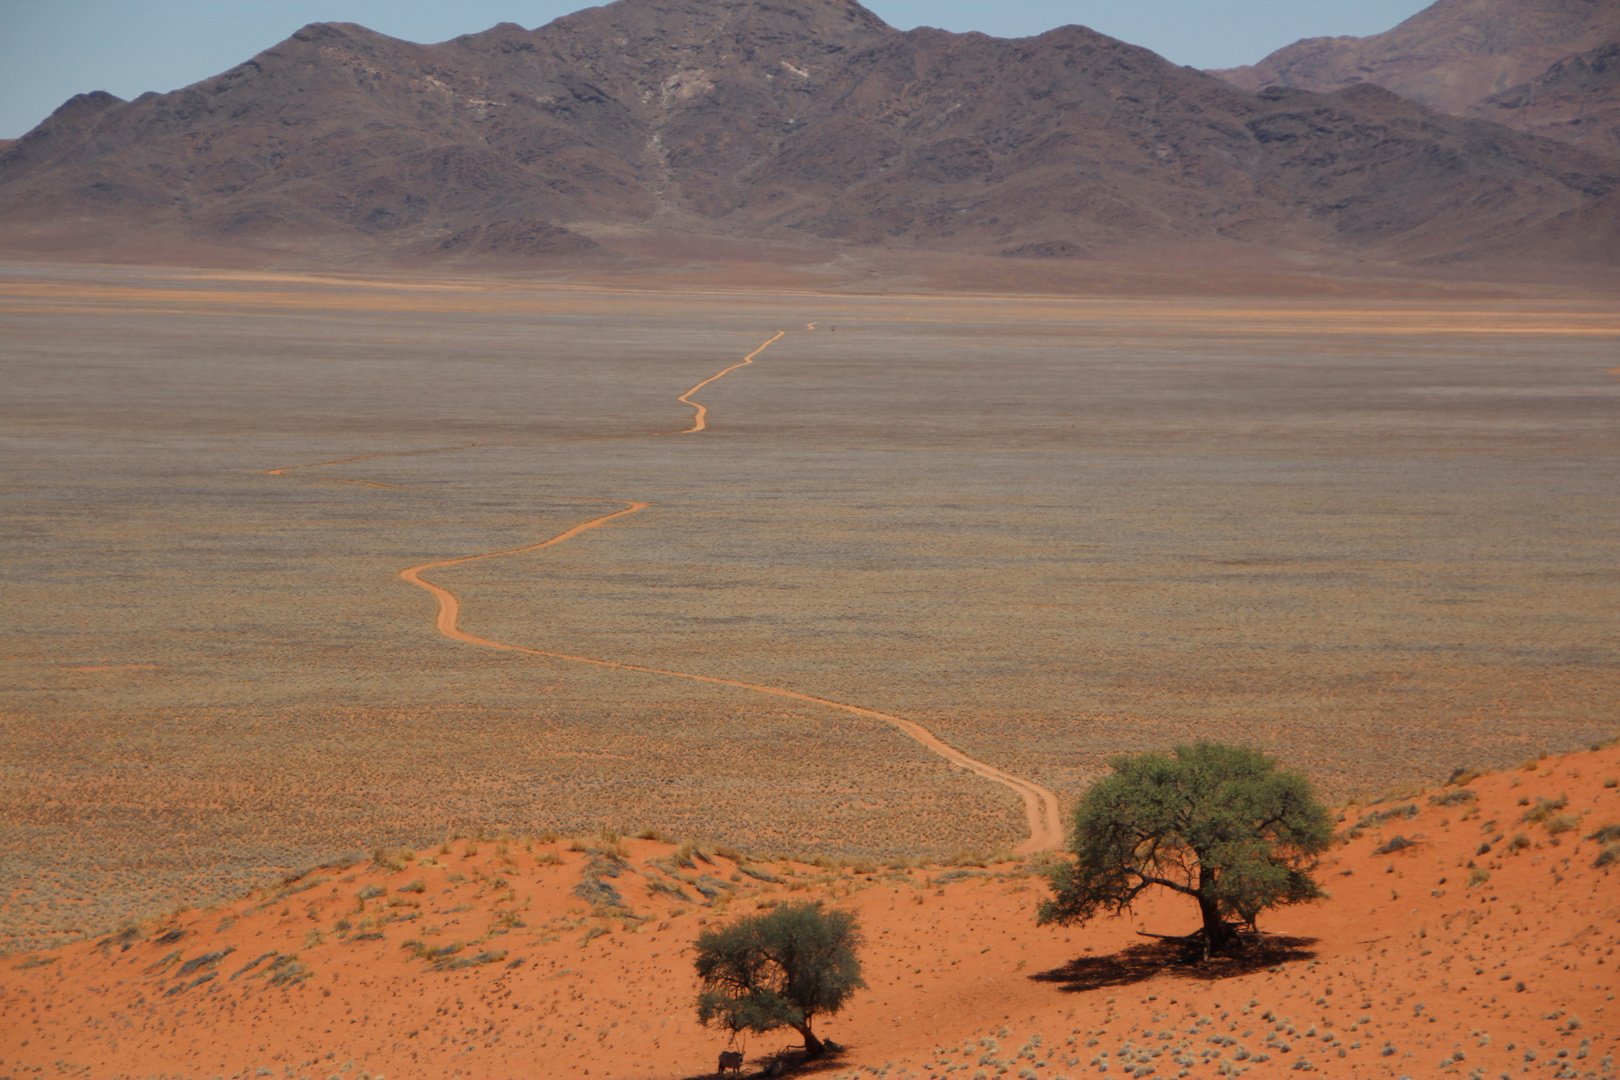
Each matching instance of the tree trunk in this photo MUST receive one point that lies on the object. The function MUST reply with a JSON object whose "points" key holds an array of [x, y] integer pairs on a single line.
{"points": [[813, 1047], [1217, 935]]}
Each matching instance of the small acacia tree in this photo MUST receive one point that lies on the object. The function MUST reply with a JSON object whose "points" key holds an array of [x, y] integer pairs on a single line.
{"points": [[1218, 823], [780, 969]]}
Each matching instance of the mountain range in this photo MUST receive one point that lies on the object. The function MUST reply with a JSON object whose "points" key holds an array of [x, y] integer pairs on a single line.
{"points": [[810, 123], [1546, 67]]}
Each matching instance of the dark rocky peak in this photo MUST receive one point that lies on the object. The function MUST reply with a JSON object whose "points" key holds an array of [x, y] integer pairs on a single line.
{"points": [[71, 123]]}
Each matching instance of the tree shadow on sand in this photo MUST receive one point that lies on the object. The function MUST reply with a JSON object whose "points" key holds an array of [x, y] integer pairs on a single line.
{"points": [[1138, 963], [789, 1061]]}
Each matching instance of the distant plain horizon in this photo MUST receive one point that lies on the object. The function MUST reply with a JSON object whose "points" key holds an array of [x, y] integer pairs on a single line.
{"points": [[52, 51]]}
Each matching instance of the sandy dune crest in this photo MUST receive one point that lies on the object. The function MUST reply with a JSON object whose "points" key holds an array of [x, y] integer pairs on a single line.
{"points": [[1480, 943]]}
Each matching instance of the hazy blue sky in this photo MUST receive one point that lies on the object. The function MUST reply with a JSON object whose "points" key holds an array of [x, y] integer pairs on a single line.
{"points": [[53, 49]]}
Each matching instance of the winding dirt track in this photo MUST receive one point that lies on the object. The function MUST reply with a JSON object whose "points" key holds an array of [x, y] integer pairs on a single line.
{"points": [[1040, 804], [700, 421]]}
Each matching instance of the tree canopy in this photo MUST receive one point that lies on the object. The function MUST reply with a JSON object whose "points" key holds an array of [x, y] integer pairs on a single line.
{"points": [[1221, 824], [779, 969]]}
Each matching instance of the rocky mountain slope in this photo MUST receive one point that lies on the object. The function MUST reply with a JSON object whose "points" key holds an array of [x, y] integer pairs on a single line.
{"points": [[1576, 100], [1540, 66], [815, 122]]}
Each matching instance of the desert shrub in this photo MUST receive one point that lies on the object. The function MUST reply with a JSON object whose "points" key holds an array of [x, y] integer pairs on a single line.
{"points": [[1561, 823], [1380, 817], [1545, 808], [1607, 857], [1462, 777], [371, 892], [207, 960], [1454, 798], [594, 890], [1479, 876], [286, 971], [1393, 844], [663, 886], [393, 859], [423, 950], [654, 834], [1611, 781], [1605, 834], [456, 963], [710, 887], [1519, 842], [416, 885]]}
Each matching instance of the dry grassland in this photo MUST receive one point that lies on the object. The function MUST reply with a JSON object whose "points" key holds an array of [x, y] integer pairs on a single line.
{"points": [[1378, 537]]}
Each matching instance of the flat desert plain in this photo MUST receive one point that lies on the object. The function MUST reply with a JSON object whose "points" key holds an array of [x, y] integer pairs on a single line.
{"points": [[1373, 529]]}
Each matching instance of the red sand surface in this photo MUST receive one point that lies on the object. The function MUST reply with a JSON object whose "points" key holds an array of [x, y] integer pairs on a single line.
{"points": [[1440, 959]]}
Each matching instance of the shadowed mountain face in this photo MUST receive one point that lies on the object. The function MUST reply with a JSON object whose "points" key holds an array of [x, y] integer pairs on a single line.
{"points": [[1576, 100], [1535, 65], [812, 120]]}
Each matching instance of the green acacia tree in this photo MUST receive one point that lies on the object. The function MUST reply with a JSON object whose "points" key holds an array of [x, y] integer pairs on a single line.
{"points": [[780, 969], [1221, 824]]}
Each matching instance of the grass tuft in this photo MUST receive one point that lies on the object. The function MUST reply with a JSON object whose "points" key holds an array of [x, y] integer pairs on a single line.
{"points": [[393, 859]]}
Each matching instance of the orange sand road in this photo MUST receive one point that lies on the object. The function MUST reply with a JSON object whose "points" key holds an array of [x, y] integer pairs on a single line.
{"points": [[364, 457], [699, 422], [1040, 805]]}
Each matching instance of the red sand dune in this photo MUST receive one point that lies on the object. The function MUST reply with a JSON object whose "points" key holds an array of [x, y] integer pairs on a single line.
{"points": [[1440, 959]]}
